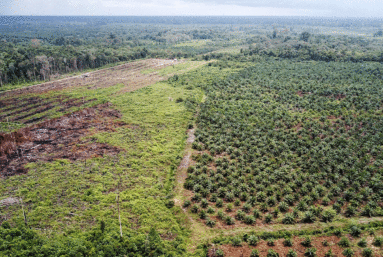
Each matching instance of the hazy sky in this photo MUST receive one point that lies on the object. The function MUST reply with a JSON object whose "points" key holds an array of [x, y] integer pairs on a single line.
{"points": [[328, 8]]}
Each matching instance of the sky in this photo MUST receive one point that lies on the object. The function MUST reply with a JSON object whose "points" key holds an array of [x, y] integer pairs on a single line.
{"points": [[321, 8]]}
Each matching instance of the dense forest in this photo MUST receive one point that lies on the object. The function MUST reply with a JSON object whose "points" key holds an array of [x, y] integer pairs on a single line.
{"points": [[43, 48]]}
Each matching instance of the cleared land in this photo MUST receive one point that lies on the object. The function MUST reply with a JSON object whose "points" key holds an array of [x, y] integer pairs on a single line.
{"points": [[70, 167], [128, 74]]}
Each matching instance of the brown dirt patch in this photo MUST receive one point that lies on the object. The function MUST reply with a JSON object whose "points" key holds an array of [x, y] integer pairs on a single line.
{"points": [[245, 250], [60, 138], [38, 106], [300, 93], [128, 74]]}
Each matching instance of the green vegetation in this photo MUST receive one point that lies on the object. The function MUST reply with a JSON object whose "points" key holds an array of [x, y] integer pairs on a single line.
{"points": [[64, 198], [288, 128], [296, 133]]}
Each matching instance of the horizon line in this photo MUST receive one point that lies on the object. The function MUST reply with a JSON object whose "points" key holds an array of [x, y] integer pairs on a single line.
{"points": [[195, 16]]}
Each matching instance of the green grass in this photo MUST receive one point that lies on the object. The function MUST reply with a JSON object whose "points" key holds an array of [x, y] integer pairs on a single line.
{"points": [[181, 67], [68, 197], [229, 50], [193, 43]]}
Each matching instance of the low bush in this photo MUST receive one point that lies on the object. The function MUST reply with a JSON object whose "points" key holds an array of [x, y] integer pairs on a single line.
{"points": [[367, 252], [344, 242], [348, 252], [254, 253], [291, 253]]}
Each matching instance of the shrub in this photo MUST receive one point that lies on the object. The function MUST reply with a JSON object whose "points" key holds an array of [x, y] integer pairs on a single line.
{"points": [[302, 206], [195, 208], [203, 214], [338, 232], [169, 204], [355, 231], [237, 202], [210, 210], [272, 253], [325, 201], [288, 242], [229, 220], [250, 220], [229, 207], [219, 253], [254, 253], [329, 253], [268, 218], [237, 241], [271, 201], [309, 217], [291, 253], [344, 242], [368, 211], [275, 213], [186, 204], [263, 207], [362, 243], [196, 197], [289, 199], [316, 210], [246, 207], [252, 201], [229, 197], [288, 219], [311, 252], [256, 214], [271, 242], [220, 214], [219, 203], [253, 240], [328, 215], [191, 169], [350, 211], [337, 207], [244, 196], [367, 252], [213, 198], [283, 207], [348, 252], [378, 241], [210, 223], [306, 242], [240, 215], [204, 203]]}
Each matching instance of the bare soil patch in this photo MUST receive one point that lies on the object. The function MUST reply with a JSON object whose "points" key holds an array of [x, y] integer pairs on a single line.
{"points": [[128, 74], [245, 250], [38, 106], [61, 138]]}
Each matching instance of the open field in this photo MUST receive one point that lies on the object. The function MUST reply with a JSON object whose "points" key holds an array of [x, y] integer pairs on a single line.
{"points": [[65, 170], [127, 74]]}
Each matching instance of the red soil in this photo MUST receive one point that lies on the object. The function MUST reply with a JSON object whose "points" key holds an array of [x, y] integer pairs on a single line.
{"points": [[245, 250], [60, 138]]}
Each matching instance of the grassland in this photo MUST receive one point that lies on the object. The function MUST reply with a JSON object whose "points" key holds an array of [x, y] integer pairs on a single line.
{"points": [[64, 197]]}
